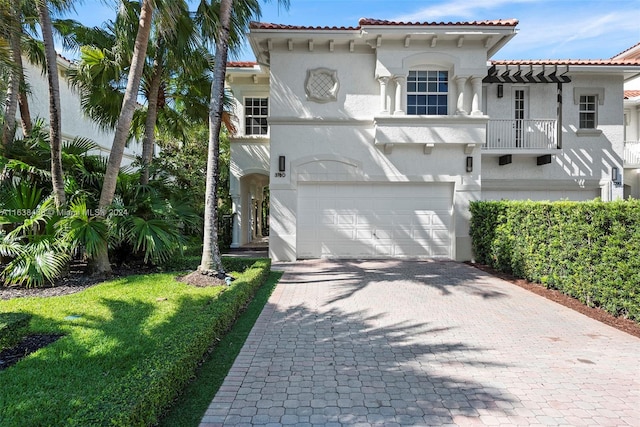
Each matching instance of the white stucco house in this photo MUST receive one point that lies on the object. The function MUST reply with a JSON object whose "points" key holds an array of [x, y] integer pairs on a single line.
{"points": [[632, 126], [74, 122], [372, 140]]}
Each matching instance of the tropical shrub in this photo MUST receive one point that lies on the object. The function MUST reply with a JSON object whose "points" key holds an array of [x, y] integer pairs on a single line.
{"points": [[588, 250], [146, 223]]}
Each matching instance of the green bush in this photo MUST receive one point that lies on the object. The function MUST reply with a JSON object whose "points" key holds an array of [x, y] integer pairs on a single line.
{"points": [[13, 327], [123, 360], [139, 398], [588, 250]]}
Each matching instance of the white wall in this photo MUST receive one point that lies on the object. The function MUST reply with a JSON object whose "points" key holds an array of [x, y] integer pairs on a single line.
{"points": [[74, 122], [586, 159]]}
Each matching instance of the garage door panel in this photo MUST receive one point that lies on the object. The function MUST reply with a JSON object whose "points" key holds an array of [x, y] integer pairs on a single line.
{"points": [[383, 220]]}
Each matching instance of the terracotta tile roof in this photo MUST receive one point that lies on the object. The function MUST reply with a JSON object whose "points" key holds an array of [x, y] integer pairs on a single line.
{"points": [[631, 94], [269, 26], [496, 22], [626, 50], [241, 64], [370, 22], [568, 62]]}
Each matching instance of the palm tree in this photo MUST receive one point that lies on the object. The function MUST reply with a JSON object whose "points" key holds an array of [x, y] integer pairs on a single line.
{"points": [[175, 82], [55, 129], [232, 16], [124, 122], [211, 259], [12, 30]]}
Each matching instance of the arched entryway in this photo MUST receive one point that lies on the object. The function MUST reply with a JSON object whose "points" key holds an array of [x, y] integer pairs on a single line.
{"points": [[250, 209]]}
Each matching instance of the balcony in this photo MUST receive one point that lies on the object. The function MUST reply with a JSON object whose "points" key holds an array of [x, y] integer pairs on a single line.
{"points": [[534, 136], [632, 154]]}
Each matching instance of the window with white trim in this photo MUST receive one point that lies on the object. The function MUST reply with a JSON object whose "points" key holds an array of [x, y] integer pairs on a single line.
{"points": [[256, 111], [428, 93], [588, 108]]}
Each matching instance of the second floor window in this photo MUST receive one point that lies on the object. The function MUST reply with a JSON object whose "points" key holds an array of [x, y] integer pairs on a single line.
{"points": [[427, 93], [588, 111], [256, 111]]}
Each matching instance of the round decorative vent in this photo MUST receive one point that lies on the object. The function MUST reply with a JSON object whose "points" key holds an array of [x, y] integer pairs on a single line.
{"points": [[322, 85]]}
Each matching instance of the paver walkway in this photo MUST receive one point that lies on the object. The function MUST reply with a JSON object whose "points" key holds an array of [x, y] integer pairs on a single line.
{"points": [[424, 343]]}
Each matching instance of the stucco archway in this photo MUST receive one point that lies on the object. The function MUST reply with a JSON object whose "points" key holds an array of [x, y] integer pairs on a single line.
{"points": [[249, 216]]}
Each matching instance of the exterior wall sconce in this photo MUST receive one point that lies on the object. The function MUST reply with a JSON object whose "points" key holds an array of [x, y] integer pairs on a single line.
{"points": [[469, 164], [615, 175], [500, 91], [281, 163]]}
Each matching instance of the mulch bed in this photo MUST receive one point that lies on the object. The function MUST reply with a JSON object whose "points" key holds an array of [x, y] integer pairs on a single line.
{"points": [[196, 278], [625, 325], [28, 345], [75, 281]]}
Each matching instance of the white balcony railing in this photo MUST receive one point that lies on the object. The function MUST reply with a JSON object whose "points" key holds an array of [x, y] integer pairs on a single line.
{"points": [[631, 153], [522, 134]]}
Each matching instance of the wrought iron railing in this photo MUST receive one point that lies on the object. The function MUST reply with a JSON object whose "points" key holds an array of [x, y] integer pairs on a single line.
{"points": [[521, 134]]}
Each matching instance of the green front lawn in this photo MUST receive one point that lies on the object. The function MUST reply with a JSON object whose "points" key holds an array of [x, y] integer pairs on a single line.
{"points": [[129, 346]]}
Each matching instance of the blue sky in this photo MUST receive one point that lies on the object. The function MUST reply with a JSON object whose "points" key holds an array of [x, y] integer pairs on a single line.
{"points": [[560, 29]]}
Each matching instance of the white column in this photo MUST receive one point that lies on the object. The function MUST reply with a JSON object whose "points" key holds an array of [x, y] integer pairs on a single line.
{"points": [[235, 209], [460, 82], [384, 107], [259, 218], [476, 101], [401, 99]]}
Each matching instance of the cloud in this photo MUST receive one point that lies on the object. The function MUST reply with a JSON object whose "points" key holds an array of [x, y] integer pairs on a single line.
{"points": [[466, 9]]}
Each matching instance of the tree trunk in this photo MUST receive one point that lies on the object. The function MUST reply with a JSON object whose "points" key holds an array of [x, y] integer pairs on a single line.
{"points": [[13, 87], [211, 259], [124, 122], [23, 104], [55, 131], [150, 124]]}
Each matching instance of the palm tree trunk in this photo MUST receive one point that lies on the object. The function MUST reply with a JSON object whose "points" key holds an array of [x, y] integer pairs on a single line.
{"points": [[13, 86], [55, 131], [23, 104], [124, 122], [211, 259], [150, 124]]}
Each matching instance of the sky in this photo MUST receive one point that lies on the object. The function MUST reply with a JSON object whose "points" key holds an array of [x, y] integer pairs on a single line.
{"points": [[560, 29]]}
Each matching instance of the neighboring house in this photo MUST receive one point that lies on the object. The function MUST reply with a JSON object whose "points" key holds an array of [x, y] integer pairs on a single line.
{"points": [[632, 127], [74, 122], [373, 140]]}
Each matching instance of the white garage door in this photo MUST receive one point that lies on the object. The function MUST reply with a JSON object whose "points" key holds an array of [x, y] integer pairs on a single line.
{"points": [[374, 220]]}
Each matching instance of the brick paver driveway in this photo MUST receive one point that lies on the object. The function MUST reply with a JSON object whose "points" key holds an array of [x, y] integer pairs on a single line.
{"points": [[424, 343]]}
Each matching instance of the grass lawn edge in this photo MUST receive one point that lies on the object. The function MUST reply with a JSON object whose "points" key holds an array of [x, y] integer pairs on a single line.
{"points": [[190, 406]]}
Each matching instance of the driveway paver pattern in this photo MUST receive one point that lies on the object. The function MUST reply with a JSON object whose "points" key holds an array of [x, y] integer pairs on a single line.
{"points": [[387, 342]]}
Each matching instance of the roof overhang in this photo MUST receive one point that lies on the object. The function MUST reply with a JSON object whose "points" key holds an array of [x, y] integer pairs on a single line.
{"points": [[372, 34]]}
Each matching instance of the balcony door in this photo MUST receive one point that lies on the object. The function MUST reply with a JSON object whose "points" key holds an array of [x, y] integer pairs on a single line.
{"points": [[520, 114]]}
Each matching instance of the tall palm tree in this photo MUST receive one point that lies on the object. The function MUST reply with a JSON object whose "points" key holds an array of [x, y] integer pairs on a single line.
{"points": [[11, 30], [55, 128], [177, 69], [234, 18], [211, 260], [103, 265]]}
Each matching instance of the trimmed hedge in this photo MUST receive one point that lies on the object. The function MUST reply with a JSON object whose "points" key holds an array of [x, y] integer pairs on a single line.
{"points": [[139, 398], [588, 250]]}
